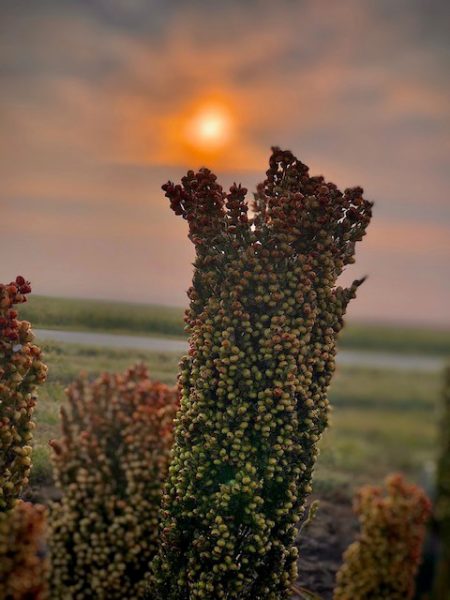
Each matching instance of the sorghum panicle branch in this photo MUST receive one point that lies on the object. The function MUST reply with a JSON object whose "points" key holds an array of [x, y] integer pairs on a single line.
{"points": [[263, 319], [110, 465]]}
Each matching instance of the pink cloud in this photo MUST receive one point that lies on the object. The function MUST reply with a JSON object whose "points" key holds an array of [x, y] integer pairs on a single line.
{"points": [[91, 112]]}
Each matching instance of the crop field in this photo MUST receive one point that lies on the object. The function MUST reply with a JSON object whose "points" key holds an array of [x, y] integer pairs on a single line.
{"points": [[161, 321], [381, 420], [101, 315]]}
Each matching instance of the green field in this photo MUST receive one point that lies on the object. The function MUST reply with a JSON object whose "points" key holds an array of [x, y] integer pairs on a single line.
{"points": [[99, 315], [153, 320], [381, 421]]}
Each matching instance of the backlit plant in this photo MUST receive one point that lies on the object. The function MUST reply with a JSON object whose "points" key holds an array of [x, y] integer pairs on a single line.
{"points": [[263, 319], [383, 562], [109, 464], [21, 371]]}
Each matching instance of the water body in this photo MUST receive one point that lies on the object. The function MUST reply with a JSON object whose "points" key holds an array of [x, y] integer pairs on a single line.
{"points": [[355, 358]]}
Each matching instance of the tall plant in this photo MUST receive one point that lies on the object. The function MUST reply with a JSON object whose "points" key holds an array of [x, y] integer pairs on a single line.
{"points": [[264, 315], [21, 372], [109, 465]]}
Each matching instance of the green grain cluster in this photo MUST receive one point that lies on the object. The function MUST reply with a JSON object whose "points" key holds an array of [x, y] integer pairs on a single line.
{"points": [[110, 464], [382, 563], [263, 319], [23, 561]]}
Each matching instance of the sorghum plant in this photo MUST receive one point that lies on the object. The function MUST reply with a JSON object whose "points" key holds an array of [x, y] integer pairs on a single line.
{"points": [[383, 562], [263, 318], [22, 555], [21, 371], [109, 464], [442, 508]]}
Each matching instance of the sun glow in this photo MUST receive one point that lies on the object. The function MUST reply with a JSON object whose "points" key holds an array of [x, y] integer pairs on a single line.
{"points": [[213, 130], [209, 128]]}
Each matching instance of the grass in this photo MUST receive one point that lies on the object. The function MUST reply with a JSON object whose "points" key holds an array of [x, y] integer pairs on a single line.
{"points": [[396, 338], [103, 316], [140, 319], [382, 421]]}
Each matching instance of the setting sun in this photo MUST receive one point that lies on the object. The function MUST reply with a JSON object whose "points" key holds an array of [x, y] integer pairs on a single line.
{"points": [[209, 128]]}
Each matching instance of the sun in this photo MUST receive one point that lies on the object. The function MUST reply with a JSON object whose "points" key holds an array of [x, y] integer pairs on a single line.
{"points": [[209, 128]]}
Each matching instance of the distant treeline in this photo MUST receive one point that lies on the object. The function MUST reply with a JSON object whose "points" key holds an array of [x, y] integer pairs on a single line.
{"points": [[142, 319]]}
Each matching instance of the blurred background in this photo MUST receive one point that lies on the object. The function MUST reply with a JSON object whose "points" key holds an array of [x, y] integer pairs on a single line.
{"points": [[104, 100]]}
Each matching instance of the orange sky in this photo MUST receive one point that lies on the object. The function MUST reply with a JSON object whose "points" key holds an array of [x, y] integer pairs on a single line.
{"points": [[102, 102]]}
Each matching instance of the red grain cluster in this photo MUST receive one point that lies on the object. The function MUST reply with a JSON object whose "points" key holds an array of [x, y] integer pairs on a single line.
{"points": [[21, 371]]}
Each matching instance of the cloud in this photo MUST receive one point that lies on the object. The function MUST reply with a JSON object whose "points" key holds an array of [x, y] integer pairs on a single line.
{"points": [[95, 94], [291, 70]]}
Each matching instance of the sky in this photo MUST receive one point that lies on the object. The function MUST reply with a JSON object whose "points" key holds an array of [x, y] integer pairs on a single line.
{"points": [[102, 101]]}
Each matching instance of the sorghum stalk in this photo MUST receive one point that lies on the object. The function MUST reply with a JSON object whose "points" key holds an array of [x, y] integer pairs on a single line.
{"points": [[110, 465], [263, 318], [21, 372], [383, 562]]}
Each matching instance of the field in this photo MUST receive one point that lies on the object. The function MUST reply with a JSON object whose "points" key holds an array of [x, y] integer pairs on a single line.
{"points": [[381, 420], [100, 315], [154, 320]]}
